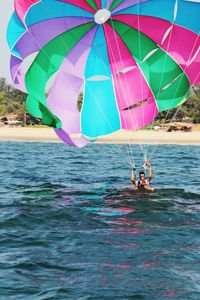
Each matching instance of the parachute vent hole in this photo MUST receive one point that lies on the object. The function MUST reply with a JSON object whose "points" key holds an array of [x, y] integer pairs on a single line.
{"points": [[125, 70], [149, 54], [136, 105], [98, 78], [169, 84]]}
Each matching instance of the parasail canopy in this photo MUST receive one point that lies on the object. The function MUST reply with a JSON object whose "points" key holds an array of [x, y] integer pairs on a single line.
{"points": [[130, 58]]}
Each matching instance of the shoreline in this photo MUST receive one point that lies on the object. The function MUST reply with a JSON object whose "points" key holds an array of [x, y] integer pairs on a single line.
{"points": [[27, 134]]}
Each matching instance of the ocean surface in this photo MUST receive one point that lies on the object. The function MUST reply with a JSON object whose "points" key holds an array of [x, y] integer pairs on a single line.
{"points": [[71, 226]]}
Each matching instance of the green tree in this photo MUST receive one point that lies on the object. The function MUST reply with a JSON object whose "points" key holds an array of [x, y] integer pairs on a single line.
{"points": [[11, 99], [189, 109]]}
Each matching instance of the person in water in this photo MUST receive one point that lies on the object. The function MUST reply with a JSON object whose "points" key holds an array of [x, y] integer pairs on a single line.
{"points": [[143, 183]]}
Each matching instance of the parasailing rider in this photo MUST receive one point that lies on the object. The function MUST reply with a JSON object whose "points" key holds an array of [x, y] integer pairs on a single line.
{"points": [[143, 183]]}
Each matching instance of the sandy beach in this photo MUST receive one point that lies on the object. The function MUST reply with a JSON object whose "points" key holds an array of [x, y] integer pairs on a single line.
{"points": [[135, 137]]}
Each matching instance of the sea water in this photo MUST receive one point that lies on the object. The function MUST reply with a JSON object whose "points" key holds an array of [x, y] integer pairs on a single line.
{"points": [[71, 226]]}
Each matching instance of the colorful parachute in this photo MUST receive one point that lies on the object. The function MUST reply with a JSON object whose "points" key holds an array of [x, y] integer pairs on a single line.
{"points": [[130, 58]]}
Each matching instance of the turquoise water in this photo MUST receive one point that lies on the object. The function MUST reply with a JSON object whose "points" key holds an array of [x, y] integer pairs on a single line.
{"points": [[71, 227]]}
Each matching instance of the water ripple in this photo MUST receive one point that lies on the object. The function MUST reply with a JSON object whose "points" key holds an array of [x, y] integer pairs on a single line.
{"points": [[71, 226]]}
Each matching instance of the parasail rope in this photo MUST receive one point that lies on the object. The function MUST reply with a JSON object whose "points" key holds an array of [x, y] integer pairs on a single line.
{"points": [[162, 74], [176, 112], [180, 106], [128, 89], [141, 85], [131, 155]]}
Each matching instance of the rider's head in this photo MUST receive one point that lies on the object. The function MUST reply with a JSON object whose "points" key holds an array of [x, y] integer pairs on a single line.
{"points": [[142, 175]]}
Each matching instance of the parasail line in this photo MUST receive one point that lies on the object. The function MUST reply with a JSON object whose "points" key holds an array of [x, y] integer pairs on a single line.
{"points": [[121, 60], [113, 25], [180, 106], [165, 59], [140, 53], [169, 33]]}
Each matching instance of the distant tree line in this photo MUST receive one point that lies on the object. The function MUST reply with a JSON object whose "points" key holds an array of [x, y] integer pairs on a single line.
{"points": [[12, 101]]}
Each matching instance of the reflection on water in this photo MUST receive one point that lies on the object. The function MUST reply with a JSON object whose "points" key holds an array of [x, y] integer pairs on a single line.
{"points": [[67, 234]]}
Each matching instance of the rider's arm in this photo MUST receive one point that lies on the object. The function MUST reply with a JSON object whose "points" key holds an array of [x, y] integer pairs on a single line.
{"points": [[150, 172], [133, 177]]}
